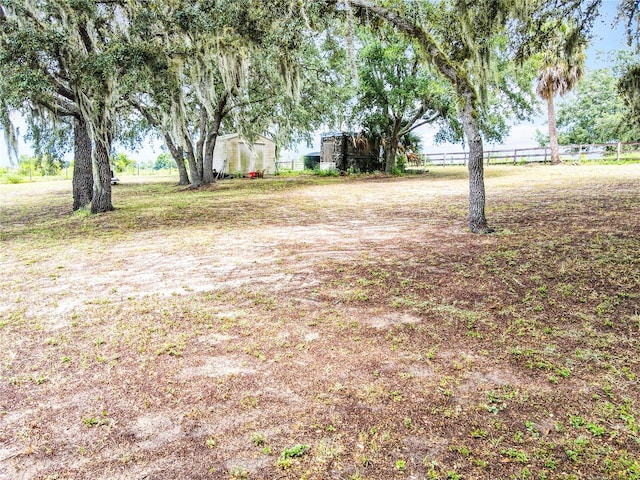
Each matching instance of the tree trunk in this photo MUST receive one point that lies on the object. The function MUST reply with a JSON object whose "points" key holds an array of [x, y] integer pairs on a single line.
{"points": [[95, 111], [200, 142], [212, 136], [177, 153], [477, 219], [193, 166], [207, 175], [183, 175], [390, 160], [553, 133], [101, 178], [199, 159], [394, 140], [82, 170]]}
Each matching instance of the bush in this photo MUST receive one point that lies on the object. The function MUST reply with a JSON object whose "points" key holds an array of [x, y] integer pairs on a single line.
{"points": [[328, 172], [287, 172], [164, 162], [13, 178], [121, 162], [44, 165], [400, 166]]}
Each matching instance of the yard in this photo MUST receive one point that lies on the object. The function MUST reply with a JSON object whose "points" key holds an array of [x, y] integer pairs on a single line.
{"points": [[324, 328]]}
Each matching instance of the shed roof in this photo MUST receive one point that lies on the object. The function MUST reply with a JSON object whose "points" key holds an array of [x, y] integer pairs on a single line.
{"points": [[237, 134]]}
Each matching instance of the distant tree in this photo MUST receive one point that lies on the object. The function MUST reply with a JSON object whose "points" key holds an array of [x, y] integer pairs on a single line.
{"points": [[596, 113], [397, 93], [44, 165], [163, 162], [601, 108], [27, 165], [561, 68], [412, 142], [121, 162]]}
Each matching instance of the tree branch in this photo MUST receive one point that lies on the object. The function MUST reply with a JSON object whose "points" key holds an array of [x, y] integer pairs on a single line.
{"points": [[426, 122], [84, 36], [427, 43], [144, 111]]}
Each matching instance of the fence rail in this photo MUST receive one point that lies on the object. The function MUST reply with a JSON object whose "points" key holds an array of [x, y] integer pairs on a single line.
{"points": [[290, 164], [568, 153]]}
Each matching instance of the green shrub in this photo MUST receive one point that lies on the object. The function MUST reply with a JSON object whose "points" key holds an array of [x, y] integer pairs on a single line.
{"points": [[400, 166], [13, 178], [287, 172], [328, 172]]}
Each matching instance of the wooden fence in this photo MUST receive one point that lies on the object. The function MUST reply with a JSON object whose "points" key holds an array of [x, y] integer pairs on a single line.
{"points": [[293, 164], [568, 153]]}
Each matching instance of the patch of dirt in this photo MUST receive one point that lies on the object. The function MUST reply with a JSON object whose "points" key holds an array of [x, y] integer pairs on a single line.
{"points": [[358, 319], [215, 367]]}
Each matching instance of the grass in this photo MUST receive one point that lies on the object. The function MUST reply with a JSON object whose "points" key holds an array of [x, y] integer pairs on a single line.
{"points": [[325, 327]]}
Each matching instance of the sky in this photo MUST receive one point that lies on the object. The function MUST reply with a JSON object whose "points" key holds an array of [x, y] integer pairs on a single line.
{"points": [[605, 38]]}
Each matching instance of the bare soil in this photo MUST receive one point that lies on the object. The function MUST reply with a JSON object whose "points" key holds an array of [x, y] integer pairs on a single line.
{"points": [[207, 334]]}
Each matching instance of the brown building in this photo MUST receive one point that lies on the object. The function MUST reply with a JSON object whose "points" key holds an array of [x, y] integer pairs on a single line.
{"points": [[350, 151]]}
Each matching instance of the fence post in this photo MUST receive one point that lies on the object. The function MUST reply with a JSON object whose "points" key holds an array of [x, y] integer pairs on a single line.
{"points": [[515, 156], [444, 159], [618, 152]]}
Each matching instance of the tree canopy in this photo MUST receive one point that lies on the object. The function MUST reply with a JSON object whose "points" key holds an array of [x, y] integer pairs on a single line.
{"points": [[191, 71], [397, 92], [596, 113]]}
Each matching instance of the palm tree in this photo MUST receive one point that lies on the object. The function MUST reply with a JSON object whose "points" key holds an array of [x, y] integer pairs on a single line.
{"points": [[561, 69]]}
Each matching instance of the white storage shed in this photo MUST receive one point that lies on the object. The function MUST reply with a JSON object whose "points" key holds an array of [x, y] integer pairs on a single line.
{"points": [[233, 154]]}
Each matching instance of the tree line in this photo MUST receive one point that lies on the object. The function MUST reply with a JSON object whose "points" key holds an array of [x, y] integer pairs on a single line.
{"points": [[97, 72]]}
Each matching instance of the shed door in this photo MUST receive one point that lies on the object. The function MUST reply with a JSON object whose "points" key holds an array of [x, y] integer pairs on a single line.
{"points": [[251, 161], [328, 150]]}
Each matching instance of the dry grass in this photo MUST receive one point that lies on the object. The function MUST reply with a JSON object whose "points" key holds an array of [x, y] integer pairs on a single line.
{"points": [[331, 328]]}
